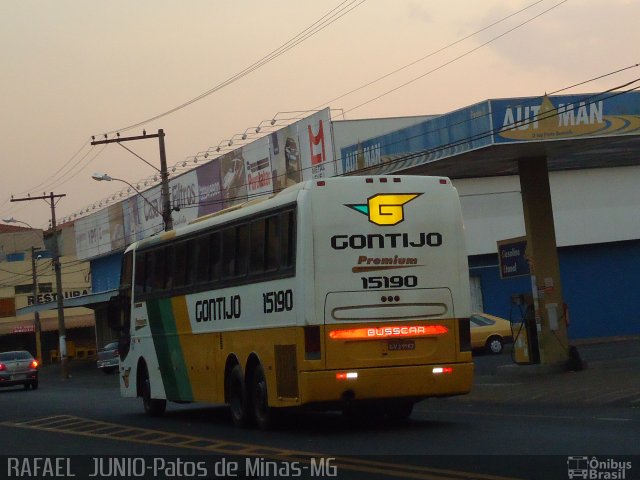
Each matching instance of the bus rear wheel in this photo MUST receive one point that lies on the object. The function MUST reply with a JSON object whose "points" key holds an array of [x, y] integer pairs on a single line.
{"points": [[237, 397], [264, 415], [152, 406], [399, 410]]}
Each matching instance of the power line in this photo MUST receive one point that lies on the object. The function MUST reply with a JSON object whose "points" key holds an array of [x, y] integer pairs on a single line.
{"points": [[469, 52], [468, 120], [326, 20], [435, 52]]}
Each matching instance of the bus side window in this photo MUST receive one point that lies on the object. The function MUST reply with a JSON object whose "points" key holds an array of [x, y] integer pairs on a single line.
{"points": [[271, 243], [192, 262], [257, 249], [159, 269], [169, 258], [202, 259], [215, 256], [228, 252], [149, 267], [242, 253], [287, 240], [180, 265], [140, 277], [126, 274]]}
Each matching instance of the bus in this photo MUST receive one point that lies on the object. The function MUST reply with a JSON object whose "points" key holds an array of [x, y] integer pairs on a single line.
{"points": [[344, 293]]}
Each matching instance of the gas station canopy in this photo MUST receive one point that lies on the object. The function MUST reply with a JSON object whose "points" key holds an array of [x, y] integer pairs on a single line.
{"points": [[489, 138]]}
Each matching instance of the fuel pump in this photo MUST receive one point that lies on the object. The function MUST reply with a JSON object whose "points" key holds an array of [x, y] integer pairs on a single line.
{"points": [[524, 330]]}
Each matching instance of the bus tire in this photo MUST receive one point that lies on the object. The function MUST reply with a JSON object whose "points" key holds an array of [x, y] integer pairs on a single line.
{"points": [[399, 410], [263, 414], [152, 406], [239, 407]]}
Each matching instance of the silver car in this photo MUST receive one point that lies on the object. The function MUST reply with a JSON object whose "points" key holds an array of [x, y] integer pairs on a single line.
{"points": [[108, 357], [18, 368]]}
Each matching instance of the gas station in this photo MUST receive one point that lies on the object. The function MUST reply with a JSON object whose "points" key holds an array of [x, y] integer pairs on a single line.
{"points": [[527, 138]]}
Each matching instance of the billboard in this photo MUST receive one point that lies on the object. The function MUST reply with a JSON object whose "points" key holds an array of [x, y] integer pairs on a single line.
{"points": [[209, 188], [297, 152], [432, 139], [284, 152], [316, 152], [562, 117], [93, 234]]}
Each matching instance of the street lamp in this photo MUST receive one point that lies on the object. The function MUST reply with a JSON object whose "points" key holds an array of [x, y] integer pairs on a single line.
{"points": [[13, 220], [164, 173], [37, 327], [103, 177]]}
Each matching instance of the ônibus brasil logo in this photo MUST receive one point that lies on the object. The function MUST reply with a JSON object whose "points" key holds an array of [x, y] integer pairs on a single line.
{"points": [[385, 208]]}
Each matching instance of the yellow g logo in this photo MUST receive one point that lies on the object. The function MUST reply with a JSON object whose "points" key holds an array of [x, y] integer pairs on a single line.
{"points": [[384, 208]]}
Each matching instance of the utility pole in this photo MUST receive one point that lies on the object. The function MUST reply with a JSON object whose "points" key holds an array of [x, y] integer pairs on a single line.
{"points": [[164, 174], [62, 333], [36, 314]]}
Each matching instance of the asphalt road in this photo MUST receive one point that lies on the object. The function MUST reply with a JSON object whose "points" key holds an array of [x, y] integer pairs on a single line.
{"points": [[445, 438]]}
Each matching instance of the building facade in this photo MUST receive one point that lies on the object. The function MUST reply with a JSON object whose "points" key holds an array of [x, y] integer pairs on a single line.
{"points": [[589, 141]]}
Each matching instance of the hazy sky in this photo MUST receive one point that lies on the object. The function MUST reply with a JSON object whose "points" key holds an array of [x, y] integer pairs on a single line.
{"points": [[76, 68]]}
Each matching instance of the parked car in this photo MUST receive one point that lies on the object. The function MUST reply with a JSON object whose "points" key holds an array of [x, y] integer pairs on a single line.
{"points": [[108, 358], [489, 332], [18, 368]]}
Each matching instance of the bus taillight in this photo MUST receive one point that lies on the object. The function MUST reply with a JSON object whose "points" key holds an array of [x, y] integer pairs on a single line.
{"points": [[390, 331], [346, 375], [442, 370]]}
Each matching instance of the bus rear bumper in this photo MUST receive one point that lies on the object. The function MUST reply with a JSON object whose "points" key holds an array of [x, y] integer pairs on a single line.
{"points": [[386, 382]]}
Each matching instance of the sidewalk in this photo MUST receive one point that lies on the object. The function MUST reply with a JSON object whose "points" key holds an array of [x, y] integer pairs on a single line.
{"points": [[612, 378]]}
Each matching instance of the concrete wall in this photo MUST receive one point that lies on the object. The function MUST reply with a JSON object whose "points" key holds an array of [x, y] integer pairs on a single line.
{"points": [[590, 207]]}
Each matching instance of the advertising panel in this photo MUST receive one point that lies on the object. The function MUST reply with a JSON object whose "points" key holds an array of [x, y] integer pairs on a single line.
{"points": [[184, 193], [316, 152], [93, 236], [131, 220], [433, 139], [561, 117], [286, 169], [234, 183], [301, 151], [116, 226], [259, 178], [209, 188], [142, 216]]}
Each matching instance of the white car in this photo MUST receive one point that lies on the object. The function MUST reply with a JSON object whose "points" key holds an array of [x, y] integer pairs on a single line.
{"points": [[18, 368]]}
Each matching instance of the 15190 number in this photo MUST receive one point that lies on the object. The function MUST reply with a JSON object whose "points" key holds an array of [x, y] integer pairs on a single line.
{"points": [[395, 281], [280, 301]]}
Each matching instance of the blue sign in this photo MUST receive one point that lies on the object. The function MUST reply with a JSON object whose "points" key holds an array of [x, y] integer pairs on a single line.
{"points": [[440, 137], [512, 258], [565, 117]]}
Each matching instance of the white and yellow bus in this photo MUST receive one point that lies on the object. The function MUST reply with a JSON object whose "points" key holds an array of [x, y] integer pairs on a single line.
{"points": [[345, 293]]}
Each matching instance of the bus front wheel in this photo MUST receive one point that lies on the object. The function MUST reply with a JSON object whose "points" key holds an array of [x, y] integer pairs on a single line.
{"points": [[152, 406], [263, 414]]}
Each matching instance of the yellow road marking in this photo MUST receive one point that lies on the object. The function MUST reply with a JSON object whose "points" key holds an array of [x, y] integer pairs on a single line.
{"points": [[69, 424]]}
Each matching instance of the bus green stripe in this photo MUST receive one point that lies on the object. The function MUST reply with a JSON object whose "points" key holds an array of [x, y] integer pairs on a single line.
{"points": [[170, 356]]}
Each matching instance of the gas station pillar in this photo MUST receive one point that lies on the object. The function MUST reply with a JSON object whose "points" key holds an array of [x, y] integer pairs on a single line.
{"points": [[542, 253]]}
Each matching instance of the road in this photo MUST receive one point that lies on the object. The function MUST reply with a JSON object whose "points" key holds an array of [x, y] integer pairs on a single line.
{"points": [[445, 438]]}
